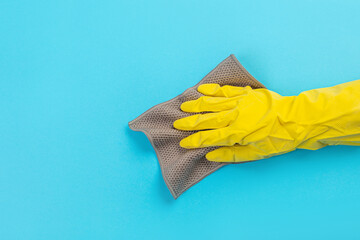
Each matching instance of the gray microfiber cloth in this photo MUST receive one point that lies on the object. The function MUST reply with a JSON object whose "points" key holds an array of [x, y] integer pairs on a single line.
{"points": [[182, 168]]}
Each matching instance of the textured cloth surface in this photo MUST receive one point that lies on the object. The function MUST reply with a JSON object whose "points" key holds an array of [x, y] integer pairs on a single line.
{"points": [[182, 168]]}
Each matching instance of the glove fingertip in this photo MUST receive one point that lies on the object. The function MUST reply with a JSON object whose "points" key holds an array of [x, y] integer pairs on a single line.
{"points": [[187, 106], [208, 89], [185, 143], [178, 125], [214, 156], [210, 157]]}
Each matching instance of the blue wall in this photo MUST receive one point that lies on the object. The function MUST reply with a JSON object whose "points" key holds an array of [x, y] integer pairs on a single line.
{"points": [[73, 73]]}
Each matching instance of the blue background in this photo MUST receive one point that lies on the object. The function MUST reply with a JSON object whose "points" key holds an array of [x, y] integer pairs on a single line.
{"points": [[73, 73]]}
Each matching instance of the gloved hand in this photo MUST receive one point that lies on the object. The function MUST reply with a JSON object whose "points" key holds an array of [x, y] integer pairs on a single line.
{"points": [[252, 124]]}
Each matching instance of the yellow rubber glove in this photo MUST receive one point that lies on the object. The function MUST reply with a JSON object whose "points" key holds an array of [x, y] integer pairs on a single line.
{"points": [[253, 124]]}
